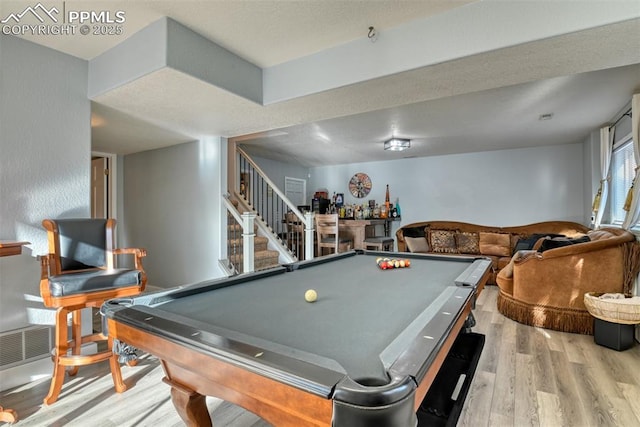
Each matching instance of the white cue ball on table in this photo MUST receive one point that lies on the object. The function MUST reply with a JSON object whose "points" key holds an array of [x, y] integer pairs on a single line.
{"points": [[310, 295]]}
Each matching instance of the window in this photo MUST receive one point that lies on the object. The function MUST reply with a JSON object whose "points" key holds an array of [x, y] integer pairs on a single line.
{"points": [[623, 166]]}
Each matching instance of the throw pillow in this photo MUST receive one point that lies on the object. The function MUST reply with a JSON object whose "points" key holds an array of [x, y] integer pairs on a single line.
{"points": [[513, 240], [560, 242], [497, 244], [417, 244], [443, 241], [468, 242]]}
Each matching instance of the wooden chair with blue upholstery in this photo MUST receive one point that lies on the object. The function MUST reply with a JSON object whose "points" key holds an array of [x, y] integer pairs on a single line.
{"points": [[80, 272]]}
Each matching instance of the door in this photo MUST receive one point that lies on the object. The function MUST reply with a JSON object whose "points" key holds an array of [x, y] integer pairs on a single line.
{"points": [[99, 187], [295, 190]]}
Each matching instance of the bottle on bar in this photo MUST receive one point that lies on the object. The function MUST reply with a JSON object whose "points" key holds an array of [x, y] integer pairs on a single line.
{"points": [[386, 199]]}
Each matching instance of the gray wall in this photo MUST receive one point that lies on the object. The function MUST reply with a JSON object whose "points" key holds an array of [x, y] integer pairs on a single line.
{"points": [[507, 187], [277, 171], [172, 209], [45, 141]]}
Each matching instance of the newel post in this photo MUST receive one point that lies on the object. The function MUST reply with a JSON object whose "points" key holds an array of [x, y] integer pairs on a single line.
{"points": [[308, 235], [248, 241]]}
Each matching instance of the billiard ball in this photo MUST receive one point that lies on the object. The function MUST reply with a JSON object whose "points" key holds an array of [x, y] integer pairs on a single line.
{"points": [[310, 295]]}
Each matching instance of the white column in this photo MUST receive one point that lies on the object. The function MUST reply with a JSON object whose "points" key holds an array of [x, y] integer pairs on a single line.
{"points": [[248, 241], [309, 229]]}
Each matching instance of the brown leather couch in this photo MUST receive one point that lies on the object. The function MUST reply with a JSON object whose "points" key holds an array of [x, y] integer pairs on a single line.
{"points": [[546, 289], [496, 243]]}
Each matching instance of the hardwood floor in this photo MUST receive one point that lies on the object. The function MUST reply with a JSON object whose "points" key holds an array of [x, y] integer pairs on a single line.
{"points": [[526, 377], [536, 377]]}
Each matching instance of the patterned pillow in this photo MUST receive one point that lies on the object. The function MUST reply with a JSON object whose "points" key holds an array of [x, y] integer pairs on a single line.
{"points": [[468, 242], [443, 241]]}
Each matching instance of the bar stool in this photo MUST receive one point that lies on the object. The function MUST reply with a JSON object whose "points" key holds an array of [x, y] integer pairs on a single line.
{"points": [[379, 243], [80, 272]]}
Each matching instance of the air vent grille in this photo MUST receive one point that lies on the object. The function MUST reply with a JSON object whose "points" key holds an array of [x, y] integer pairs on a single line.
{"points": [[25, 345]]}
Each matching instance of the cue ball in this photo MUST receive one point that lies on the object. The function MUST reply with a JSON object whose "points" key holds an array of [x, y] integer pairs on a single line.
{"points": [[310, 295]]}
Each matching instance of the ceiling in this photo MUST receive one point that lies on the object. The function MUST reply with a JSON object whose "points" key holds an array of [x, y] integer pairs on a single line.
{"points": [[486, 101]]}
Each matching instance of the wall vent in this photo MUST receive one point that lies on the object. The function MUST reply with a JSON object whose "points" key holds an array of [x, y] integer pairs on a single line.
{"points": [[21, 346]]}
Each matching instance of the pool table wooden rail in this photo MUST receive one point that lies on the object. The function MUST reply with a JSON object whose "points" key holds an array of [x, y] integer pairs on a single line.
{"points": [[282, 406]]}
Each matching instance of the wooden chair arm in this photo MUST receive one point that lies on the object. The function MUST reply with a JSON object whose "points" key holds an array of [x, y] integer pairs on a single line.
{"points": [[45, 262], [44, 266], [138, 253]]}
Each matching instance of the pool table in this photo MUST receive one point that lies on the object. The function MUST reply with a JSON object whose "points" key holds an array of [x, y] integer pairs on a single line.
{"points": [[363, 354]]}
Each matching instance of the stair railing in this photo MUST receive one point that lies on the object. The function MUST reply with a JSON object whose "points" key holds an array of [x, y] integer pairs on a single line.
{"points": [[293, 228]]}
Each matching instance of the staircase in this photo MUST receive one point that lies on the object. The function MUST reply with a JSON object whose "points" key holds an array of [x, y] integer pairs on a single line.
{"points": [[264, 258], [281, 233]]}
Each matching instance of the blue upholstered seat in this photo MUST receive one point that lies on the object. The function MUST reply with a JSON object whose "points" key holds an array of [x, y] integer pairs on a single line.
{"points": [[92, 281]]}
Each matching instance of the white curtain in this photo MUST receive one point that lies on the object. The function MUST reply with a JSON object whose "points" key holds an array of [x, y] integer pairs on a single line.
{"points": [[606, 149], [633, 214]]}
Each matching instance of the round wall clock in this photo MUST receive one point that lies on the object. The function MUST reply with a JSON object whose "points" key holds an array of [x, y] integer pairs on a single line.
{"points": [[360, 185]]}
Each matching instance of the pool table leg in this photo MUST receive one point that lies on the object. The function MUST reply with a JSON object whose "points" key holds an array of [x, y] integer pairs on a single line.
{"points": [[191, 406]]}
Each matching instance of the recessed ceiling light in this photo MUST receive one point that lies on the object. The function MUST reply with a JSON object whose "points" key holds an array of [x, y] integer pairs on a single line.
{"points": [[547, 116]]}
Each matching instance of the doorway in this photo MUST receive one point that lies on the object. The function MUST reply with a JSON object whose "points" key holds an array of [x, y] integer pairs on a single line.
{"points": [[295, 189], [103, 185]]}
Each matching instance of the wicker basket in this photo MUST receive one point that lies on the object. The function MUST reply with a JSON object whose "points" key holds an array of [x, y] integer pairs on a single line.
{"points": [[624, 310]]}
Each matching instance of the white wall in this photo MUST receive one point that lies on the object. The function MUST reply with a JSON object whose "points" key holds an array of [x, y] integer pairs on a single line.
{"points": [[45, 146], [502, 188], [172, 209]]}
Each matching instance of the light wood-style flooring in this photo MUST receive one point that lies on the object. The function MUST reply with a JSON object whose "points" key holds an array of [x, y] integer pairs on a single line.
{"points": [[526, 377]]}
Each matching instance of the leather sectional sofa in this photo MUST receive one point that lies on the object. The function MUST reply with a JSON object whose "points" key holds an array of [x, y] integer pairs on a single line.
{"points": [[543, 270]]}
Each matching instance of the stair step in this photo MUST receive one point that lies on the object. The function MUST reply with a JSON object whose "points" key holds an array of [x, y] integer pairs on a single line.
{"points": [[262, 260], [260, 243]]}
